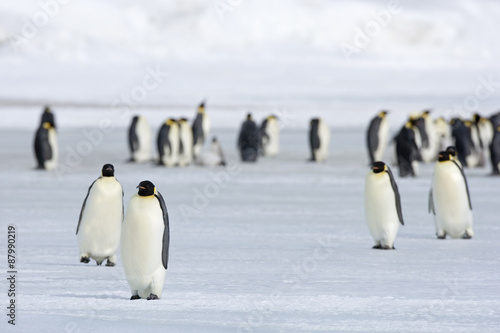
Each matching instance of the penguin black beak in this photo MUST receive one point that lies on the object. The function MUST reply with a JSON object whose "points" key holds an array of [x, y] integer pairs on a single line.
{"points": [[141, 187]]}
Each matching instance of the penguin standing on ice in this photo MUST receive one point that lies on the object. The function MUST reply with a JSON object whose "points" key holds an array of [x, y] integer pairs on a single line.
{"points": [[45, 145], [201, 129], [248, 140], [145, 241], [449, 199], [185, 142], [213, 157], [382, 206], [495, 151], [407, 152], [376, 137], [467, 152], [269, 136], [319, 139], [101, 217], [139, 140], [168, 143]]}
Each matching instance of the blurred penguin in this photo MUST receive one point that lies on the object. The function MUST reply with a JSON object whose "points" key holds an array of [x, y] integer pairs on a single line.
{"points": [[485, 135], [48, 117], [495, 151], [168, 143], [45, 145], [429, 145], [449, 199], [139, 140], [407, 152], [319, 139], [269, 136], [185, 142], [201, 129], [248, 140], [443, 133], [213, 157], [376, 136], [464, 144]]}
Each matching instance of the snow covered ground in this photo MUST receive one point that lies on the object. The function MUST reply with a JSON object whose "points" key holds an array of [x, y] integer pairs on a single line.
{"points": [[276, 246]]}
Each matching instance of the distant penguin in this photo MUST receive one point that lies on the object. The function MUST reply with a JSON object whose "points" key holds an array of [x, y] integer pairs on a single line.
{"points": [[213, 157], [449, 199], [319, 139], [46, 147], [466, 149], [145, 242], [495, 151], [248, 140], [201, 129], [443, 133], [139, 140], [382, 206], [48, 117], [269, 136], [168, 143], [185, 142], [100, 221], [376, 136], [430, 147], [485, 135], [407, 152], [495, 119]]}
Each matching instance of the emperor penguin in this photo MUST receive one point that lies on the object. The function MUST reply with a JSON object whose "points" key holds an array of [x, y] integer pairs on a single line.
{"points": [[139, 140], [429, 148], [248, 140], [495, 151], [185, 142], [319, 139], [449, 199], [376, 136], [213, 157], [382, 206], [269, 136], [101, 217], [407, 152], [463, 136], [46, 147], [443, 133], [168, 143], [485, 135], [201, 129], [145, 241]]}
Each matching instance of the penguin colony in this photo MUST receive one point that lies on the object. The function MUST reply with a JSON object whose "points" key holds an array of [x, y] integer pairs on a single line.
{"points": [[143, 231]]}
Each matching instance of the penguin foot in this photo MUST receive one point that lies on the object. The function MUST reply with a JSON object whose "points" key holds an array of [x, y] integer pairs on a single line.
{"points": [[441, 236], [387, 247], [152, 296], [135, 297], [466, 236], [110, 263], [378, 247], [98, 263], [85, 260]]}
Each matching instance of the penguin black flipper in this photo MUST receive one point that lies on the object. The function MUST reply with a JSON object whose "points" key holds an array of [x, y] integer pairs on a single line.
{"points": [[43, 151], [314, 140], [396, 195], [166, 231], [431, 203], [465, 181], [198, 128], [372, 136], [83, 205], [133, 140]]}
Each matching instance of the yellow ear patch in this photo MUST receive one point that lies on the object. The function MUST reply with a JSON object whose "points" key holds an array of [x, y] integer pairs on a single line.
{"points": [[46, 125]]}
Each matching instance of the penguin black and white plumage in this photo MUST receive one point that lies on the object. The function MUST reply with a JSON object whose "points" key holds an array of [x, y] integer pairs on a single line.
{"points": [[145, 242], [382, 205], [185, 142], [467, 152], [46, 146], [429, 142], [452, 152], [407, 152], [213, 157], [100, 221], [248, 140], [442, 131], [495, 151], [376, 137], [449, 199], [139, 140], [201, 129], [269, 136], [319, 139], [48, 117], [168, 143], [485, 135]]}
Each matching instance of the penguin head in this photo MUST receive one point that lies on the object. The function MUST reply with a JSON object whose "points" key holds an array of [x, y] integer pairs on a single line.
{"points": [[201, 107], [183, 120], [249, 116], [108, 170], [46, 125], [378, 167], [443, 156], [146, 188], [383, 113], [170, 122], [451, 150], [426, 113], [47, 109]]}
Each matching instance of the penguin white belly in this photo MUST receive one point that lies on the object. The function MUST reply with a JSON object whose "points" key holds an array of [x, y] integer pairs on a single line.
{"points": [[143, 132], [271, 146], [206, 126], [171, 157], [324, 142], [52, 163], [186, 137], [141, 246], [451, 204], [383, 134], [100, 226], [380, 209]]}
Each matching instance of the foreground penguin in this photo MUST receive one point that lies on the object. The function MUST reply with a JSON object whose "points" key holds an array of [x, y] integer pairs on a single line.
{"points": [[269, 136], [139, 140], [213, 157], [382, 206], [248, 140], [449, 199], [407, 152], [145, 241], [100, 221], [376, 137], [45, 145], [495, 151], [168, 143], [201, 129], [319, 139]]}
